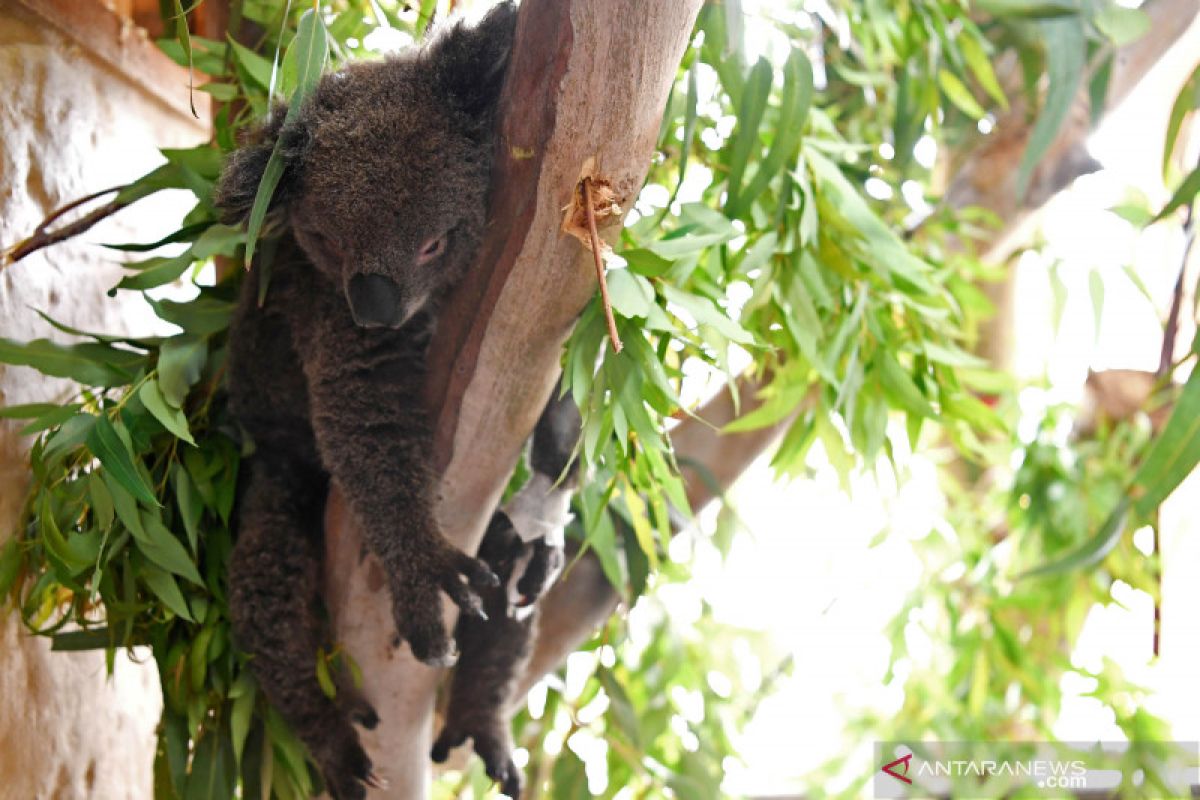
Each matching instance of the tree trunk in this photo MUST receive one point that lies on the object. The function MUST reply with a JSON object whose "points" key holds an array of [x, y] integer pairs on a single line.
{"points": [[584, 97]]}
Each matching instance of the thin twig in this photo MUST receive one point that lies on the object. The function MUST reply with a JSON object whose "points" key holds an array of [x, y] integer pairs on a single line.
{"points": [[1171, 332], [41, 237], [596, 255]]}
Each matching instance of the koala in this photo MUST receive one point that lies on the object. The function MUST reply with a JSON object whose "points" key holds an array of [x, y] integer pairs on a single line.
{"points": [[524, 547], [380, 209]]}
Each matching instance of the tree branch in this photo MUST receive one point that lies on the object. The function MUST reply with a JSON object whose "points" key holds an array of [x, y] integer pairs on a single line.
{"points": [[41, 237], [583, 97], [583, 598]]}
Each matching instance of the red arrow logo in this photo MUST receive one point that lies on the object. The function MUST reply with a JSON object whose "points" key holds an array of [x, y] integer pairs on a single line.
{"points": [[898, 776]]}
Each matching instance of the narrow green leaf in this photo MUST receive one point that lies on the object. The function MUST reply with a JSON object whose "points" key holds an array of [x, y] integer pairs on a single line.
{"points": [[76, 641], [158, 272], [218, 240], [28, 410], [68, 436], [312, 47], [1140, 285], [180, 364], [118, 460], [959, 94], [1186, 193], [705, 312], [631, 294], [1091, 551], [204, 160], [623, 713], [76, 362], [185, 234], [124, 505], [645, 262], [324, 679], [1186, 101], [898, 383], [797, 97], [750, 114], [185, 41], [980, 64], [191, 507], [1065, 59], [690, 118], [54, 540], [1174, 453], [202, 316], [161, 546], [174, 420], [164, 587], [102, 502], [240, 714], [51, 419], [257, 67], [1034, 9]]}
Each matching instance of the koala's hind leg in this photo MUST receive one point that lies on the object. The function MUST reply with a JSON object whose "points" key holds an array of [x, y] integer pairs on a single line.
{"points": [[493, 652], [274, 580], [275, 568]]}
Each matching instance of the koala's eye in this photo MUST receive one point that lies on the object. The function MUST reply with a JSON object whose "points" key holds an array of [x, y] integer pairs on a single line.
{"points": [[323, 240], [431, 249]]}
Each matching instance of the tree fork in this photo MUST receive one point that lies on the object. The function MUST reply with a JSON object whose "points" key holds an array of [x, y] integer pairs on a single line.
{"points": [[587, 84]]}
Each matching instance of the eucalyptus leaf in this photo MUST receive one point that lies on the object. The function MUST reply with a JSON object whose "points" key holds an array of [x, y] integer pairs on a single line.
{"points": [[1065, 59], [1175, 451], [106, 443], [312, 48], [172, 419]]}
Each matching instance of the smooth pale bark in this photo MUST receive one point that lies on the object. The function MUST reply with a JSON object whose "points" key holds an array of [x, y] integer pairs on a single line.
{"points": [[584, 97]]}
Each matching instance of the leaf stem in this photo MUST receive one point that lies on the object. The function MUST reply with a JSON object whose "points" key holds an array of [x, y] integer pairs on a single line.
{"points": [[43, 238], [596, 255]]}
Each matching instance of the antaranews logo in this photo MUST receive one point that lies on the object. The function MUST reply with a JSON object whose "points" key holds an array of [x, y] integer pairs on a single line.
{"points": [[1149, 771], [903, 761]]}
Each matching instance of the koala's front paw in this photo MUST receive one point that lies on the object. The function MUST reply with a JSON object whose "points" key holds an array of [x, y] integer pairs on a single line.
{"points": [[417, 606], [492, 744]]}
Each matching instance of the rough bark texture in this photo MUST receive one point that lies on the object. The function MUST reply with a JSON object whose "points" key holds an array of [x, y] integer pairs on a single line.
{"points": [[70, 125], [584, 96]]}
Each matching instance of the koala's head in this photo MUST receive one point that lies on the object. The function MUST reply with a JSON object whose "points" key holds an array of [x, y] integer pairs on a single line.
{"points": [[386, 169]]}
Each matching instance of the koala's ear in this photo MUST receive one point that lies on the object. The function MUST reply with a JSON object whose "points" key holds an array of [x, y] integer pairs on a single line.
{"points": [[469, 61], [238, 185]]}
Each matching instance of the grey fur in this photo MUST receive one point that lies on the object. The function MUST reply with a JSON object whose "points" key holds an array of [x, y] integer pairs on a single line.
{"points": [[384, 159]]}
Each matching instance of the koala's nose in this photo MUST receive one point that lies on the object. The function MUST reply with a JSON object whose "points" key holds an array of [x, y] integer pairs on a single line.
{"points": [[374, 300]]}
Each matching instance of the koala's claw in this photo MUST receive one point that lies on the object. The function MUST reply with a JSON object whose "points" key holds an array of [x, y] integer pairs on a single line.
{"points": [[419, 615], [449, 739], [546, 562], [376, 782], [348, 772], [495, 750]]}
